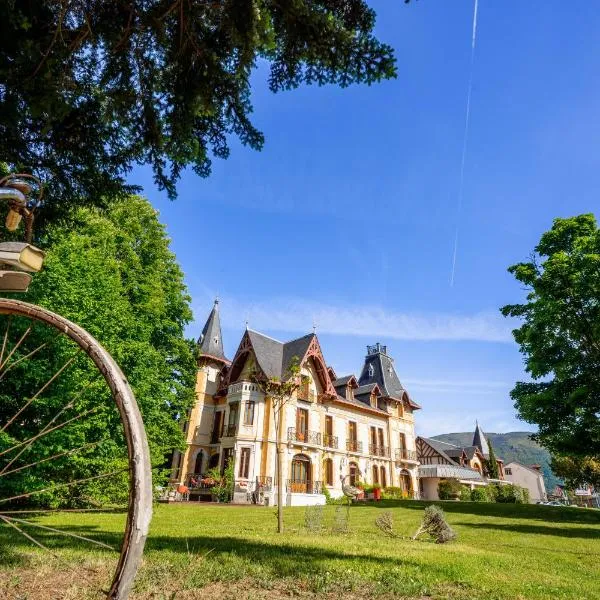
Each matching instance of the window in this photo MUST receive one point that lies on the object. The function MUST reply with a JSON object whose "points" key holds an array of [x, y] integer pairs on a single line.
{"points": [[301, 424], [508, 471], [244, 462], [198, 463], [304, 390], [402, 442], [352, 431], [227, 456], [370, 370], [300, 472], [380, 437], [373, 436], [234, 410], [383, 479], [375, 474], [328, 464], [329, 425], [217, 430], [353, 473], [249, 413], [406, 482]]}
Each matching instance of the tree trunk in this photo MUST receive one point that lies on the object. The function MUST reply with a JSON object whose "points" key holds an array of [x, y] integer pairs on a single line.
{"points": [[279, 490], [278, 453]]}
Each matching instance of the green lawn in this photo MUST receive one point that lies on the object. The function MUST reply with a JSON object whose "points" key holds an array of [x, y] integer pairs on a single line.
{"points": [[502, 552]]}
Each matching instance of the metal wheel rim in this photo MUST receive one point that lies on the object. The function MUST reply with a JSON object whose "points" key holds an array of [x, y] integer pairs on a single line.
{"points": [[139, 511]]}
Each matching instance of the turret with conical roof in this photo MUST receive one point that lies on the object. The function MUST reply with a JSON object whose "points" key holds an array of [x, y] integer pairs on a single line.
{"points": [[210, 342], [480, 441]]}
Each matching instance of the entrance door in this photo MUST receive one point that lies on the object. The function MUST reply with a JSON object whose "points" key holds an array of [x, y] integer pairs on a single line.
{"points": [[301, 474]]}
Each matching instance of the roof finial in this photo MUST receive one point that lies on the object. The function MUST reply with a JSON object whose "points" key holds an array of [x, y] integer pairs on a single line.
{"points": [[216, 299], [314, 327]]}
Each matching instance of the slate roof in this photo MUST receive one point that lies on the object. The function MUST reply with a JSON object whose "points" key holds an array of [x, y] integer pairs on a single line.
{"points": [[360, 404], [275, 357], [480, 441], [384, 374], [210, 342], [442, 448], [340, 381]]}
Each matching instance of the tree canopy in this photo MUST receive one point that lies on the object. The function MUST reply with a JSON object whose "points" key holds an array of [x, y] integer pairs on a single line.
{"points": [[560, 337], [90, 88], [492, 463], [112, 273]]}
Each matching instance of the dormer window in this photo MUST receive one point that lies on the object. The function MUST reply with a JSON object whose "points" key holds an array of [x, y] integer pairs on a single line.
{"points": [[371, 370]]}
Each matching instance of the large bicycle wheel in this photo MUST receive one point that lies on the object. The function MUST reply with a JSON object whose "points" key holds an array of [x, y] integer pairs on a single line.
{"points": [[71, 439]]}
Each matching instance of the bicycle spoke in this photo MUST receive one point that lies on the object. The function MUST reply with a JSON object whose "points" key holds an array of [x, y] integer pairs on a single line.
{"points": [[15, 347], [44, 433], [8, 522], [26, 357], [5, 338], [67, 406], [67, 533], [41, 390], [4, 473], [62, 485]]}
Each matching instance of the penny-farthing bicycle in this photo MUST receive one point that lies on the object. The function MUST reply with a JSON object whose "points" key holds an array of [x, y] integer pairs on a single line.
{"points": [[71, 435]]}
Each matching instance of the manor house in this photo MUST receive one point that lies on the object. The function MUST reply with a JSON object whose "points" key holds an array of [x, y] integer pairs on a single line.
{"points": [[335, 429]]}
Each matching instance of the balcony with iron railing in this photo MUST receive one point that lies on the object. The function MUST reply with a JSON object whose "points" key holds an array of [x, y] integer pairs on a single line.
{"points": [[231, 430], [404, 454], [330, 441], [375, 450], [354, 446], [304, 437], [295, 486]]}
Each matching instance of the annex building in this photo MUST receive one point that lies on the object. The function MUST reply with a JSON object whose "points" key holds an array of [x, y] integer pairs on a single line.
{"points": [[334, 428]]}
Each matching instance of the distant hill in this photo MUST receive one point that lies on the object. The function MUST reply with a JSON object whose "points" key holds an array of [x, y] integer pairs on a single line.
{"points": [[515, 445]]}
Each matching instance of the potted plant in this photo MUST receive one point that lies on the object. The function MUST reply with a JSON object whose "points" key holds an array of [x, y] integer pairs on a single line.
{"points": [[377, 491]]}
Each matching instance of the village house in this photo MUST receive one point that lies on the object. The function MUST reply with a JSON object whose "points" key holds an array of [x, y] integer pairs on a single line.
{"points": [[441, 460], [529, 477], [335, 428]]}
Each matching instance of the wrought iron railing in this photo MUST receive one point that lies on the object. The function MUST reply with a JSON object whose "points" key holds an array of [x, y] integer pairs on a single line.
{"points": [[354, 446], [231, 430], [264, 483], [305, 437], [375, 450], [404, 454], [330, 441], [295, 486]]}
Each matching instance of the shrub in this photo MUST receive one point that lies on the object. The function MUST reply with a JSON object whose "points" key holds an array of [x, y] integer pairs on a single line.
{"points": [[393, 493], [512, 494], [449, 489], [480, 494], [465, 494], [385, 522], [435, 524]]}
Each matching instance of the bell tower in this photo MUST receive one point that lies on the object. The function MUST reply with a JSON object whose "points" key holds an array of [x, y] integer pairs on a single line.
{"points": [[210, 357]]}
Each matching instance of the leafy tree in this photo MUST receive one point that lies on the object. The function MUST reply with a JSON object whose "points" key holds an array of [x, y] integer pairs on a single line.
{"points": [[560, 337], [280, 392], [90, 88], [113, 274], [491, 463], [577, 471]]}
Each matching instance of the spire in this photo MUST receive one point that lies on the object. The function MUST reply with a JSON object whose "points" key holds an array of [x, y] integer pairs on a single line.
{"points": [[479, 440], [210, 342]]}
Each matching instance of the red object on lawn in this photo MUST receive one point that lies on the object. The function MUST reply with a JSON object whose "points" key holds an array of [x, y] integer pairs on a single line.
{"points": [[377, 493]]}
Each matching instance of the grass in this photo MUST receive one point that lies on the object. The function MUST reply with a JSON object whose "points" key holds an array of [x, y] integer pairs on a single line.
{"points": [[503, 552]]}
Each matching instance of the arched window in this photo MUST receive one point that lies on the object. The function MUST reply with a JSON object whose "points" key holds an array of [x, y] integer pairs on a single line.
{"points": [[328, 468], [375, 474], [382, 477], [301, 475], [406, 482], [198, 463], [354, 473]]}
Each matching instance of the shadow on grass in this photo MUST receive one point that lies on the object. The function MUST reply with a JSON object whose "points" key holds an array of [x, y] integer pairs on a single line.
{"points": [[548, 514], [527, 528], [280, 558]]}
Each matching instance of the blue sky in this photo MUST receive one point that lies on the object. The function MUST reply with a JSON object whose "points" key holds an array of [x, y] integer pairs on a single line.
{"points": [[347, 217]]}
